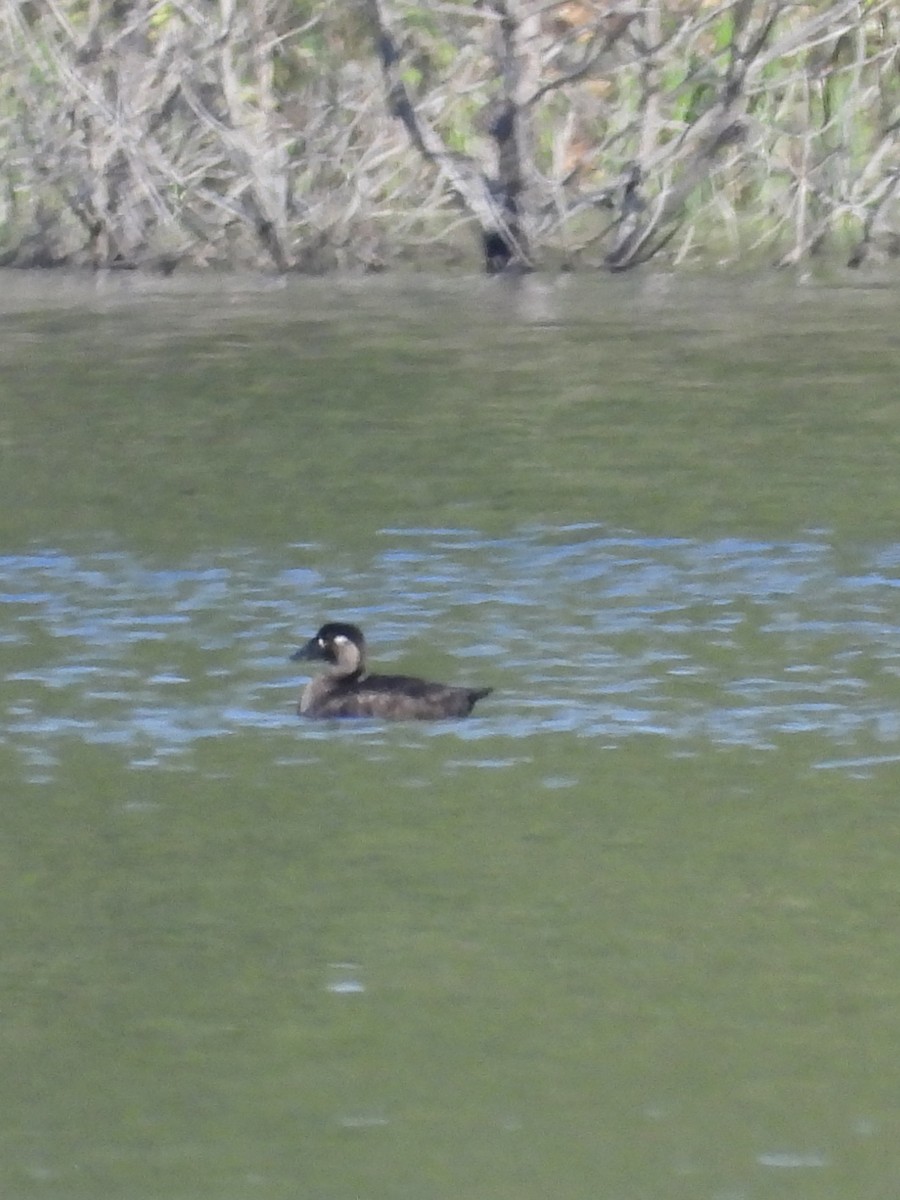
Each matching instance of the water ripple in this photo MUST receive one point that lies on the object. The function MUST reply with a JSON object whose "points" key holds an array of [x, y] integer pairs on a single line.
{"points": [[581, 630]]}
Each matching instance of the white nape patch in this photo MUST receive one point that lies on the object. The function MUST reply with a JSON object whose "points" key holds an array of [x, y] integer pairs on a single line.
{"points": [[340, 640]]}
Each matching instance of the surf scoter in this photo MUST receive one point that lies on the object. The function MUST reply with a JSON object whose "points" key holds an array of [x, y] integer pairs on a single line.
{"points": [[347, 690]]}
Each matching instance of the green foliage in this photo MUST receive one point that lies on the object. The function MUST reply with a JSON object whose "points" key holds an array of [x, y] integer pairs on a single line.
{"points": [[412, 77], [422, 20], [723, 30], [690, 99], [162, 15]]}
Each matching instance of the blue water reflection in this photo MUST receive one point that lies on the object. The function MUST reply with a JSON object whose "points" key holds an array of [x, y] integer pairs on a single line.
{"points": [[580, 629]]}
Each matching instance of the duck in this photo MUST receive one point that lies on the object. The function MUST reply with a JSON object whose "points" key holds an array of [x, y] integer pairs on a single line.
{"points": [[346, 689]]}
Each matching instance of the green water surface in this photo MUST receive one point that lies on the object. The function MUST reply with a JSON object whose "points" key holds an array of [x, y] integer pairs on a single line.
{"points": [[631, 931]]}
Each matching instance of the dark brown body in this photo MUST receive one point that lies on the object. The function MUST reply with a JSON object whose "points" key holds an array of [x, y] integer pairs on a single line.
{"points": [[347, 690]]}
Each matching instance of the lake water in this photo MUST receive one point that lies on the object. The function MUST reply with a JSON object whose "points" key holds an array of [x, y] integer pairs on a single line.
{"points": [[632, 929]]}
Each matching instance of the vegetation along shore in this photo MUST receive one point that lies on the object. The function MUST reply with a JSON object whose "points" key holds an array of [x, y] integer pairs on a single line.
{"points": [[501, 134]]}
